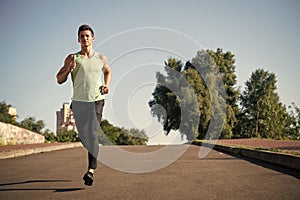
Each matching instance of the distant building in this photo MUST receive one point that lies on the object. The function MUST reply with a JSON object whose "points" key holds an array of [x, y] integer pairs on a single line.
{"points": [[65, 119], [13, 112]]}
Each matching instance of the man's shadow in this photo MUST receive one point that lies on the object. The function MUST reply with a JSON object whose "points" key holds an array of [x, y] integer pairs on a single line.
{"points": [[37, 181]]}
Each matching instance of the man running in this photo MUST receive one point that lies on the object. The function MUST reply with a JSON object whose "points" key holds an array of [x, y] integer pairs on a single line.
{"points": [[86, 67]]}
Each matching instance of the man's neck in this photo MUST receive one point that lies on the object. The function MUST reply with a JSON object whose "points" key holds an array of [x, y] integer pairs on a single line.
{"points": [[87, 51]]}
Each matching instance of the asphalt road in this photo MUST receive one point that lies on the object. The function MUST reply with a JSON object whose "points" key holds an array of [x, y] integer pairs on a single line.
{"points": [[58, 175]]}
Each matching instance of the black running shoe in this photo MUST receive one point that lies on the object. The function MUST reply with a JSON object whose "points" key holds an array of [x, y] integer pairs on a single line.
{"points": [[88, 179]]}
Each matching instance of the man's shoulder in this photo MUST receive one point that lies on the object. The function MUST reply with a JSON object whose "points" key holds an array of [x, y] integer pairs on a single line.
{"points": [[72, 55], [102, 57]]}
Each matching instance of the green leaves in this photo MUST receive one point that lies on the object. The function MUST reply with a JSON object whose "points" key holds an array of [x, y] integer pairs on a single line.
{"points": [[113, 135], [201, 94], [265, 116], [32, 124]]}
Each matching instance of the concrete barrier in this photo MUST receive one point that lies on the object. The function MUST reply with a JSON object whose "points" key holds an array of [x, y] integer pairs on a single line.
{"points": [[25, 152], [287, 160], [10, 134]]}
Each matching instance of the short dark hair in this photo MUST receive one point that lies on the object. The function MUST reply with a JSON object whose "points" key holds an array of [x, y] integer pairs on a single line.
{"points": [[85, 27]]}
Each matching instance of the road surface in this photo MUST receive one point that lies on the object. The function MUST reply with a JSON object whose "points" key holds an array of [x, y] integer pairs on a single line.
{"points": [[58, 175]]}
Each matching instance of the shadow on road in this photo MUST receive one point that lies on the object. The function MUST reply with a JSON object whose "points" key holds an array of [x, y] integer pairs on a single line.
{"points": [[278, 168], [37, 188], [285, 170], [33, 181]]}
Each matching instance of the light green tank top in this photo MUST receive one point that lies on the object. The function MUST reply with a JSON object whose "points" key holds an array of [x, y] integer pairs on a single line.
{"points": [[86, 78]]}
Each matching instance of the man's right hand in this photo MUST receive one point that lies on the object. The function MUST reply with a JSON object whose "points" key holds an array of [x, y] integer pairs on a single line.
{"points": [[71, 63]]}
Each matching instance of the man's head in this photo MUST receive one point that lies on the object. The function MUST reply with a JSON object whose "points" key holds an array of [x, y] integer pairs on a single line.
{"points": [[85, 35], [85, 27]]}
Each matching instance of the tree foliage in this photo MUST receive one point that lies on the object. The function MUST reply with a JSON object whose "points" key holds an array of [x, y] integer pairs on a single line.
{"points": [[5, 117], [67, 136], [49, 136], [173, 98], [293, 128], [113, 135], [212, 96], [264, 115], [256, 112], [33, 125], [225, 63]]}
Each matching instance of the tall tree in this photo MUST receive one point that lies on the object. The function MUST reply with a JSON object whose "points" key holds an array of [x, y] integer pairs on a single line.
{"points": [[203, 98], [174, 101], [195, 104], [225, 63], [265, 116], [212, 97]]}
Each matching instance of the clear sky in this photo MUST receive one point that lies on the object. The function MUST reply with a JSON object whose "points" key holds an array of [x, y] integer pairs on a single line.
{"points": [[137, 37]]}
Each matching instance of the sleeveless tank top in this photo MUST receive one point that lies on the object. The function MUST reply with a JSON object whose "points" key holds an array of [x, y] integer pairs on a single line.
{"points": [[86, 78]]}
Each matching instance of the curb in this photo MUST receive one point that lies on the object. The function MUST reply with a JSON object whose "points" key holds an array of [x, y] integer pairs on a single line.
{"points": [[285, 160], [25, 152]]}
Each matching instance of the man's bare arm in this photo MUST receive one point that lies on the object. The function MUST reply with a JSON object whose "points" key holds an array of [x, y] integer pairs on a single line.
{"points": [[69, 66], [106, 71]]}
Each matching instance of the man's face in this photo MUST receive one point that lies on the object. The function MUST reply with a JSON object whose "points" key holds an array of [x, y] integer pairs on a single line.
{"points": [[85, 38]]}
